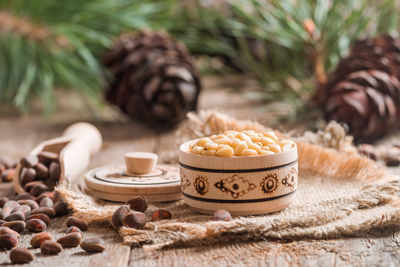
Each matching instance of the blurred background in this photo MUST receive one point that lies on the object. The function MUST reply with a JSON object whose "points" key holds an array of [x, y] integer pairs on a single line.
{"points": [[148, 62]]}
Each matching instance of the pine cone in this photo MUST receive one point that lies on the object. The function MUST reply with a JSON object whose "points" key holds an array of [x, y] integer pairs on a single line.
{"points": [[155, 79], [364, 90]]}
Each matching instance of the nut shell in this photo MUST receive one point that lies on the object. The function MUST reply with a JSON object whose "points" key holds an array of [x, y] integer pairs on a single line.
{"points": [[93, 245], [73, 229], [50, 247], [38, 239], [74, 221], [40, 216], [70, 240], [5, 230], [222, 215], [21, 256], [161, 214], [119, 216], [50, 212], [135, 219], [8, 241], [138, 203], [36, 225], [18, 226]]}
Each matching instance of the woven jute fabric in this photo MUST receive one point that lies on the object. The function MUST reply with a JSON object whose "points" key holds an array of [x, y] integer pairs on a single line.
{"points": [[344, 200]]}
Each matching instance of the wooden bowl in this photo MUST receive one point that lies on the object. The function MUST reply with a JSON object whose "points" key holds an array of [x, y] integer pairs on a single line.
{"points": [[241, 185]]}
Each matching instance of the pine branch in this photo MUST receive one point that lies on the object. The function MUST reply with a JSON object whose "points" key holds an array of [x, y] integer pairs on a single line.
{"points": [[48, 44], [291, 49]]}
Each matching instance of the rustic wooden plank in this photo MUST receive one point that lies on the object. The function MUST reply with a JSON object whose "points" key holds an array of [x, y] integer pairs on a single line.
{"points": [[342, 252], [115, 253]]}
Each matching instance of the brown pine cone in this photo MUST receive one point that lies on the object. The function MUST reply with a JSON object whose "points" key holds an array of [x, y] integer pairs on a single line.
{"points": [[364, 90], [155, 79]]}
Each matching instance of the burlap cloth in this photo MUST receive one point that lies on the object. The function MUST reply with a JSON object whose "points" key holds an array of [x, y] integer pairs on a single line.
{"points": [[340, 193]]}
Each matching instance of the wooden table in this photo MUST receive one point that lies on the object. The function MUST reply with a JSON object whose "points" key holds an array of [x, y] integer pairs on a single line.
{"points": [[19, 135]]}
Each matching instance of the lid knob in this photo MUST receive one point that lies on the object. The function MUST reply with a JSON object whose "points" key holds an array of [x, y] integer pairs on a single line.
{"points": [[140, 162]]}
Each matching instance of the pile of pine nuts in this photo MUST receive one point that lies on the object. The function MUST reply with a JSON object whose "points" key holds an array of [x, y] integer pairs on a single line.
{"points": [[245, 143]]}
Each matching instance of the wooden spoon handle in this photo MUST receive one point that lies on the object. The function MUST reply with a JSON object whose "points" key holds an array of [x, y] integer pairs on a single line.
{"points": [[85, 141], [78, 142]]}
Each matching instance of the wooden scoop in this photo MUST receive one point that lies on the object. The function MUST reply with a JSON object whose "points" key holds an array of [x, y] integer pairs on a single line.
{"points": [[74, 148]]}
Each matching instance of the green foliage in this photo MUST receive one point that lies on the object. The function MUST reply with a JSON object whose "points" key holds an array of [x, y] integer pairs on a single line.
{"points": [[293, 57], [266, 38], [63, 44]]}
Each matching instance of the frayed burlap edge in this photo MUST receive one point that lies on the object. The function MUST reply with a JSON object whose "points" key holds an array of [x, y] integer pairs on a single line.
{"points": [[374, 207], [314, 221]]}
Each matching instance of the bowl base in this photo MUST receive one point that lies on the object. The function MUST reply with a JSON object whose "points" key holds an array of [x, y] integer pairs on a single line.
{"points": [[240, 209]]}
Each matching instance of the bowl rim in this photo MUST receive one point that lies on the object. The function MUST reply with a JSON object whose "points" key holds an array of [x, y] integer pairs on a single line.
{"points": [[191, 160]]}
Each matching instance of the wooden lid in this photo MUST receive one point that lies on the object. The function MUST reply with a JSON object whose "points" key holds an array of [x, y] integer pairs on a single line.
{"points": [[116, 184], [140, 162]]}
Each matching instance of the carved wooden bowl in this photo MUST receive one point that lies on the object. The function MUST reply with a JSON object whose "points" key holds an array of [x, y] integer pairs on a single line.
{"points": [[241, 185]]}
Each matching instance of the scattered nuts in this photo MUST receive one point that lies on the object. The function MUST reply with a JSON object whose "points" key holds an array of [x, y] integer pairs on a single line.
{"points": [[24, 196], [51, 184], [138, 203], [11, 204], [50, 195], [38, 239], [54, 171], [41, 216], [4, 212], [73, 229], [50, 247], [161, 214], [31, 203], [46, 202], [6, 230], [61, 208], [135, 219], [8, 241], [74, 221], [39, 189], [46, 157], [25, 209], [70, 240], [48, 211], [17, 226], [29, 161], [119, 216], [8, 175], [28, 187], [15, 216], [3, 200], [27, 176], [392, 157], [222, 215], [21, 256], [42, 171], [93, 245], [36, 225]]}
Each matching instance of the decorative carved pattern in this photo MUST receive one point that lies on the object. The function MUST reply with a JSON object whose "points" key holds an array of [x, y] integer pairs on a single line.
{"points": [[201, 184], [290, 179], [269, 183], [185, 183], [236, 185]]}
